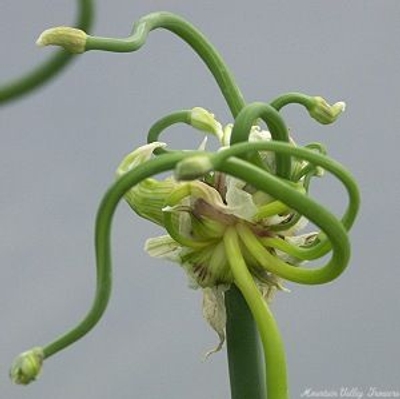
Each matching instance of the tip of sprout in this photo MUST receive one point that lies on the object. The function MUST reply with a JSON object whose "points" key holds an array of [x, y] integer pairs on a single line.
{"points": [[204, 120], [71, 39], [325, 113], [341, 105], [27, 366]]}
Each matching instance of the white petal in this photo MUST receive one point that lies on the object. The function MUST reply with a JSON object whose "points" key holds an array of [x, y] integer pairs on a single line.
{"points": [[226, 135], [240, 202], [163, 247], [300, 225], [202, 190], [303, 239], [137, 157], [274, 220], [256, 134], [204, 120], [203, 144], [298, 241]]}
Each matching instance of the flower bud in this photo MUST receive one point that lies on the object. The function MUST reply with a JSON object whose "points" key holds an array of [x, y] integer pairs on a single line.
{"points": [[72, 39], [148, 197], [27, 366], [204, 120], [137, 157], [324, 113]]}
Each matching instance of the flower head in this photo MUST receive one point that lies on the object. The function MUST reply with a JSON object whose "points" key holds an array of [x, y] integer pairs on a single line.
{"points": [[197, 212]]}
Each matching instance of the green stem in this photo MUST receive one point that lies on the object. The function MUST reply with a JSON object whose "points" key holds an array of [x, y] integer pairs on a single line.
{"points": [[55, 64], [191, 36], [182, 116], [103, 248], [292, 98], [245, 359], [274, 356]]}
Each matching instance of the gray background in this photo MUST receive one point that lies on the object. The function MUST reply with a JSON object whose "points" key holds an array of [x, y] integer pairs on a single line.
{"points": [[60, 147]]}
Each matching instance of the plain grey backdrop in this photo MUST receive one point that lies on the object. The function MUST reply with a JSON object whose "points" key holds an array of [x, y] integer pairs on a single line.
{"points": [[59, 149]]}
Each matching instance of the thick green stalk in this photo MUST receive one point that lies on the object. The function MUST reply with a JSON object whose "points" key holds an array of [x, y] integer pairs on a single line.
{"points": [[274, 355], [44, 72], [245, 359]]}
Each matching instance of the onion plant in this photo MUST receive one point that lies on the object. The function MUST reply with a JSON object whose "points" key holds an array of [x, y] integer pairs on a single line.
{"points": [[232, 219]]}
